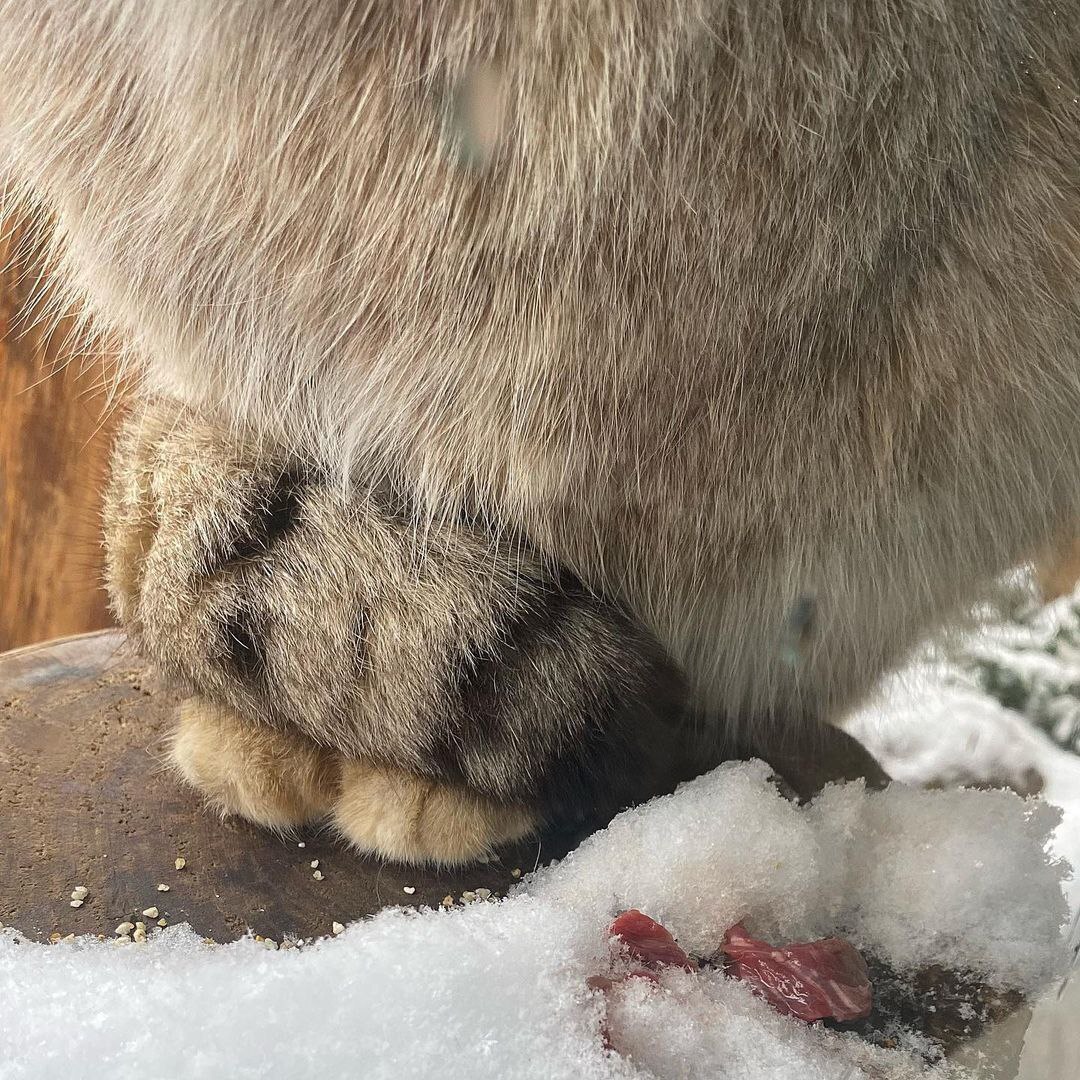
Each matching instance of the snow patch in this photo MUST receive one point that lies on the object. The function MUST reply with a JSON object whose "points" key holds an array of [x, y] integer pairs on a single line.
{"points": [[498, 989]]}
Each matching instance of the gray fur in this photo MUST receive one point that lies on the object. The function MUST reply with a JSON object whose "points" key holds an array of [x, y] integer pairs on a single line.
{"points": [[257, 585], [741, 301]]}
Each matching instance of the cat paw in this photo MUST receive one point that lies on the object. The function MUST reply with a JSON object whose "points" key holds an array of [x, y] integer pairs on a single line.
{"points": [[413, 819], [282, 780], [274, 778], [449, 653]]}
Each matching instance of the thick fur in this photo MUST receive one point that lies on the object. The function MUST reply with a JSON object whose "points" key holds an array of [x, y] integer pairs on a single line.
{"points": [[275, 596], [760, 316], [276, 778]]}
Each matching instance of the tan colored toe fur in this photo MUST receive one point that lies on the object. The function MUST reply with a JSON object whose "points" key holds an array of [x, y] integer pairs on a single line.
{"points": [[280, 779], [413, 819], [274, 778]]}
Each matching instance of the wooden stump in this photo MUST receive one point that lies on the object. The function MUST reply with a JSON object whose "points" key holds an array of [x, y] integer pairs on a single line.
{"points": [[86, 799]]}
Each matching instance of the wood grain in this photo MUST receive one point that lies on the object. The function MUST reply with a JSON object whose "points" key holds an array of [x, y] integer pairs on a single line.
{"points": [[53, 448]]}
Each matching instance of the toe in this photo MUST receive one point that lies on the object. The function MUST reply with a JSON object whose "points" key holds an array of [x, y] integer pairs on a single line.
{"points": [[275, 778], [412, 819]]}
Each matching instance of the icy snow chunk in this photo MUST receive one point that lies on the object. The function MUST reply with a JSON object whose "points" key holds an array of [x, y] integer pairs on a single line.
{"points": [[724, 845], [952, 877], [707, 1025], [490, 988]]}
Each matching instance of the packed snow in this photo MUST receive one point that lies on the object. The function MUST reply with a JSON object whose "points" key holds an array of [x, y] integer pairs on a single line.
{"points": [[997, 707], [499, 989]]}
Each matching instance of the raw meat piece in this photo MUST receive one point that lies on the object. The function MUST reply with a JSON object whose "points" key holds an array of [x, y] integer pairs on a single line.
{"points": [[811, 981], [648, 942]]}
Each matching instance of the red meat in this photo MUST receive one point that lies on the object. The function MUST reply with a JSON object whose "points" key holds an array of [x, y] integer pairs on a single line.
{"points": [[648, 942], [810, 981]]}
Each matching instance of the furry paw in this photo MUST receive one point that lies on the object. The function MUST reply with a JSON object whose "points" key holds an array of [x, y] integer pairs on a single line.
{"points": [[281, 780], [413, 819], [450, 655], [275, 778]]}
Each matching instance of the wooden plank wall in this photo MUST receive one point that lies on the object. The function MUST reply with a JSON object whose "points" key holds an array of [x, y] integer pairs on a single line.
{"points": [[54, 445]]}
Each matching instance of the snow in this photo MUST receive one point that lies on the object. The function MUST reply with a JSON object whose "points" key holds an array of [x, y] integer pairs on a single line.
{"points": [[888, 869], [931, 726], [996, 707], [969, 878], [712, 1026], [498, 989], [1001, 706]]}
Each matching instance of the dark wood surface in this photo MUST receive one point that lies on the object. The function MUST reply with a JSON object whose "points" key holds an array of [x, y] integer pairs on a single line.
{"points": [[86, 799]]}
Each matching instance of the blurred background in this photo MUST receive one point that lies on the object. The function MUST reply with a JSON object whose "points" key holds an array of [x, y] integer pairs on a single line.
{"points": [[56, 426]]}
